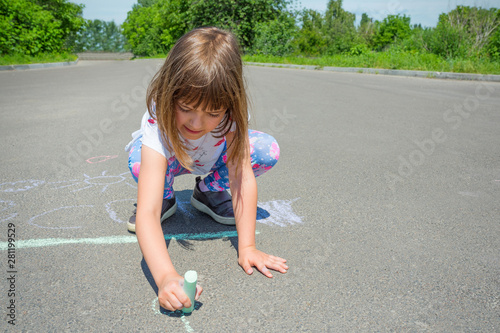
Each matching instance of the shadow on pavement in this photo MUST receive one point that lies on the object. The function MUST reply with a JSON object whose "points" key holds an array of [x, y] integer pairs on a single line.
{"points": [[188, 222]]}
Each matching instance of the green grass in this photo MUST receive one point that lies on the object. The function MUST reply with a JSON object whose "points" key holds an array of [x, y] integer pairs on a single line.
{"points": [[388, 60], [156, 56], [383, 60], [22, 59]]}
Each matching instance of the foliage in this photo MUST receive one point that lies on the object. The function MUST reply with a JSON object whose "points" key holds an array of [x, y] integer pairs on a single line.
{"points": [[68, 13], [146, 3], [99, 35], [270, 28], [310, 40], [492, 49], [275, 37], [338, 28], [241, 17], [27, 27], [388, 60], [142, 37], [470, 28], [392, 29], [358, 49], [21, 59], [367, 29], [153, 27]]}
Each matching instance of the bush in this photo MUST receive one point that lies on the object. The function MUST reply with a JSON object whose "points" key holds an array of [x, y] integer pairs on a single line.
{"points": [[393, 28], [309, 39], [448, 41], [359, 49], [339, 29], [493, 48], [275, 37], [154, 27], [140, 32], [465, 32], [28, 28]]}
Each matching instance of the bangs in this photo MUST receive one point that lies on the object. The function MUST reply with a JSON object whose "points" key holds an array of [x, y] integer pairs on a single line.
{"points": [[204, 98], [206, 89]]}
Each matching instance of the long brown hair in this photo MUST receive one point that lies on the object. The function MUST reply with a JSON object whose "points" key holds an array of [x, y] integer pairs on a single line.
{"points": [[204, 68]]}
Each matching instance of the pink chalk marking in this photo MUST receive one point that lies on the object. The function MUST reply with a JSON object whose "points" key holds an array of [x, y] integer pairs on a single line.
{"points": [[100, 159]]}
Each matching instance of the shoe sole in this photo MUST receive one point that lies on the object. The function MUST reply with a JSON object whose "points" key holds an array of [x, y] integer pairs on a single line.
{"points": [[166, 215], [204, 209]]}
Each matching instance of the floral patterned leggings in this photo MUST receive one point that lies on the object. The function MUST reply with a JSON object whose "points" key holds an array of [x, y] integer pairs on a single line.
{"points": [[264, 153]]}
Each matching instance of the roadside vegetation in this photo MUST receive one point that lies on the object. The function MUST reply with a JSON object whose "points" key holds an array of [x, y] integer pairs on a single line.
{"points": [[466, 39]]}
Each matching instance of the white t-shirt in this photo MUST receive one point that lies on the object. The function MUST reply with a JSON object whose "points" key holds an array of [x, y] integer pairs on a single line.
{"points": [[204, 151]]}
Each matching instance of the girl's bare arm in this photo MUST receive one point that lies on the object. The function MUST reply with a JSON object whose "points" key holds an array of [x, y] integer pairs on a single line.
{"points": [[149, 232], [244, 192]]}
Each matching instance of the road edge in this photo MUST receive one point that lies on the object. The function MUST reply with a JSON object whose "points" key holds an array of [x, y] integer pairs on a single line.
{"points": [[38, 66], [394, 72]]}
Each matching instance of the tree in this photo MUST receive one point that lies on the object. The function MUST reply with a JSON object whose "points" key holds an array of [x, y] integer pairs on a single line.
{"points": [[339, 28], [146, 3], [68, 14], [392, 28], [99, 35], [464, 32], [476, 25], [153, 26], [275, 37], [366, 29], [310, 39], [241, 17], [34, 27]]}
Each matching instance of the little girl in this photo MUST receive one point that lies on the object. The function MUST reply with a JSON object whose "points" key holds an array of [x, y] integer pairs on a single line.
{"points": [[197, 122]]}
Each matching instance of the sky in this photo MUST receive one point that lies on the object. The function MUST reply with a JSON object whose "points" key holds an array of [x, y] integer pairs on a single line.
{"points": [[425, 12]]}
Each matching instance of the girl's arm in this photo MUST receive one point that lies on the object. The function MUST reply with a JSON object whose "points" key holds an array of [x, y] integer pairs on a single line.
{"points": [[149, 232], [244, 192]]}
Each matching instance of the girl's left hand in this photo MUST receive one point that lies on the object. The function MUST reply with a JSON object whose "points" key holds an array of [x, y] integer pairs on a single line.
{"points": [[262, 261]]}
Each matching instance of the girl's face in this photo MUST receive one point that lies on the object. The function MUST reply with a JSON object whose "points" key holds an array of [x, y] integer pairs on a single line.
{"points": [[193, 124]]}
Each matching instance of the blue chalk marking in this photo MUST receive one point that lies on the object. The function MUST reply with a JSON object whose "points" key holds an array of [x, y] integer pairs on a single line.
{"points": [[111, 240], [207, 235], [63, 241]]}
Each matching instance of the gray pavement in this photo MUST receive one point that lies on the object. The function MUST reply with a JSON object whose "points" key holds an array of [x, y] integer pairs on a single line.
{"points": [[385, 202]]}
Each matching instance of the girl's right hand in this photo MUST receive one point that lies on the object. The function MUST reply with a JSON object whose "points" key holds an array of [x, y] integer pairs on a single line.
{"points": [[171, 295]]}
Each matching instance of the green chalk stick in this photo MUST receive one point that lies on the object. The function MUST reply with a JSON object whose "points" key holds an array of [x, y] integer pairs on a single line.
{"points": [[190, 279]]}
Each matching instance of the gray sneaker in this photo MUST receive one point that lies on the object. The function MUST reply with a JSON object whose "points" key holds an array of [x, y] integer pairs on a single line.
{"points": [[218, 205], [168, 209]]}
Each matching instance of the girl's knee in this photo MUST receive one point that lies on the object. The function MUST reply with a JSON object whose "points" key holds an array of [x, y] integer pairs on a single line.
{"points": [[134, 169], [265, 152], [264, 148], [134, 159]]}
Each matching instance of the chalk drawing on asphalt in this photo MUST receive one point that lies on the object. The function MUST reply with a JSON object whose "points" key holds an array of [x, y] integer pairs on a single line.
{"points": [[280, 213], [87, 182], [34, 218], [155, 306], [103, 180], [8, 217], [112, 212], [20, 185], [100, 159], [6, 204], [271, 213]]}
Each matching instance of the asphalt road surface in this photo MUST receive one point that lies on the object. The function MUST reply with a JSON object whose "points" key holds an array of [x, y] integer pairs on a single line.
{"points": [[385, 202]]}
